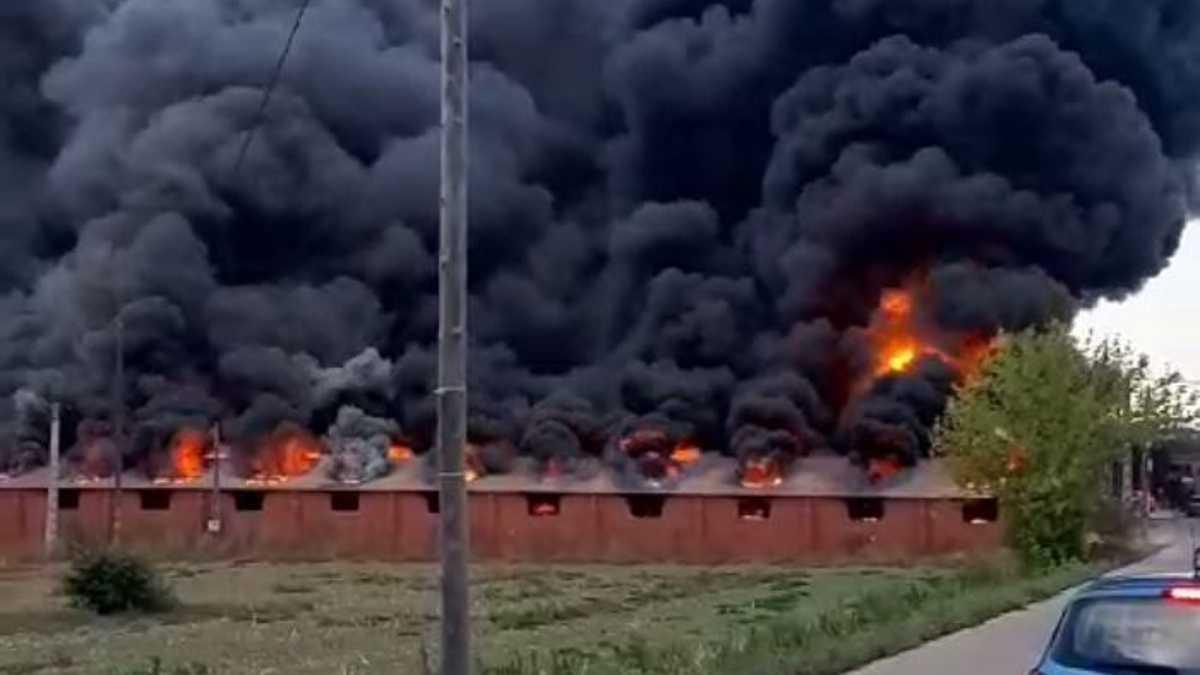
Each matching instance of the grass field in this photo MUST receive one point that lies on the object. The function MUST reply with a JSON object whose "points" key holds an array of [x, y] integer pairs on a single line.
{"points": [[372, 618]]}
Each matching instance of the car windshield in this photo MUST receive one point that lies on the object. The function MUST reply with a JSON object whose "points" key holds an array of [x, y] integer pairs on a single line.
{"points": [[1131, 632]]}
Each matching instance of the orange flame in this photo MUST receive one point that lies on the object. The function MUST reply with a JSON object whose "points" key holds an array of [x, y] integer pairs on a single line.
{"points": [[686, 454], [899, 345], [897, 304], [287, 453], [973, 356], [187, 451], [399, 452], [898, 358], [472, 464], [658, 457], [761, 472], [881, 469]]}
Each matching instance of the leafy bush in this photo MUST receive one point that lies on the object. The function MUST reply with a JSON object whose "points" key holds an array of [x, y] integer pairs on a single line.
{"points": [[110, 582]]}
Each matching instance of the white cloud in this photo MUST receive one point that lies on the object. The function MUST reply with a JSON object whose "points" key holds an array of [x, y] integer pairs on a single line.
{"points": [[1163, 320]]}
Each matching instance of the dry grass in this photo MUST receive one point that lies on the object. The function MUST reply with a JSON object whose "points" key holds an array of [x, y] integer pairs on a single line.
{"points": [[372, 618]]}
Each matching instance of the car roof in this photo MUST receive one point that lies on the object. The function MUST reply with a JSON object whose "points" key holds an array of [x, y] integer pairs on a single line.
{"points": [[1143, 585]]}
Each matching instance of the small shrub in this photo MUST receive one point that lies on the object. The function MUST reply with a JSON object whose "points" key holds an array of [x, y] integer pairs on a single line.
{"points": [[292, 589], [157, 667], [109, 582]]}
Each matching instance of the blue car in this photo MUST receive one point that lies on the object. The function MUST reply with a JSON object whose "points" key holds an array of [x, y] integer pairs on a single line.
{"points": [[1137, 625]]}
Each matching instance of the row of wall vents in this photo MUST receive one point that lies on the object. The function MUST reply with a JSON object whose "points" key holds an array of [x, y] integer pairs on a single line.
{"points": [[858, 509]]}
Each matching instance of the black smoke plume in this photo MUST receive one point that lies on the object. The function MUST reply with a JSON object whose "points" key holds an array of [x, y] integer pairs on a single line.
{"points": [[684, 213], [360, 445]]}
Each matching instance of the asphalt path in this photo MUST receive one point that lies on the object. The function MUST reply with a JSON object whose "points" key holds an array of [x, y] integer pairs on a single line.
{"points": [[1011, 644]]}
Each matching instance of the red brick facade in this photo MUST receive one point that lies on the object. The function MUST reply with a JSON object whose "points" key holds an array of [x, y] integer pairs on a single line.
{"points": [[580, 527]]}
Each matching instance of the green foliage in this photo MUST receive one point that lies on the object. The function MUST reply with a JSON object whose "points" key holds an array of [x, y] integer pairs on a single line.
{"points": [[1042, 425], [110, 582]]}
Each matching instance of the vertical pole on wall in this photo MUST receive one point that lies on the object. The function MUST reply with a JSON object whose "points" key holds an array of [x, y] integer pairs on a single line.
{"points": [[451, 393], [52, 489], [214, 513]]}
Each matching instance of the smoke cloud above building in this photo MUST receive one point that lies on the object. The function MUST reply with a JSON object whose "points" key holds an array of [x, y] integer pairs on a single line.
{"points": [[760, 227]]}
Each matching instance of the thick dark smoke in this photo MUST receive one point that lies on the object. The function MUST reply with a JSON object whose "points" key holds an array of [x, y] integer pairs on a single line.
{"points": [[776, 419], [684, 212], [359, 445], [562, 432]]}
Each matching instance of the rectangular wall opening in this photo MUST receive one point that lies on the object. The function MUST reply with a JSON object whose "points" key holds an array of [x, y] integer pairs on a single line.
{"points": [[754, 508], [155, 500], [865, 509], [343, 502], [433, 503], [645, 506], [68, 500], [981, 511], [543, 505], [248, 500]]}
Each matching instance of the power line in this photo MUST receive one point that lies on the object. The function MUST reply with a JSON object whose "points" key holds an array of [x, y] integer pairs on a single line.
{"points": [[226, 250], [269, 89]]}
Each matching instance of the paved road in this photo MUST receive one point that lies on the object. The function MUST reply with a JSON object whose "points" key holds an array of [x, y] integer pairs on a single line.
{"points": [[1010, 644]]}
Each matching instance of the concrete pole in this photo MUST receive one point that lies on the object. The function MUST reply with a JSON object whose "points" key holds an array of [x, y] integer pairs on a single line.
{"points": [[118, 402], [451, 392], [52, 490]]}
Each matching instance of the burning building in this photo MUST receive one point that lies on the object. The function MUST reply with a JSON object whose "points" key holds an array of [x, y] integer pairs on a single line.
{"points": [[828, 513], [185, 458], [288, 452], [364, 447], [776, 230], [94, 456], [653, 456]]}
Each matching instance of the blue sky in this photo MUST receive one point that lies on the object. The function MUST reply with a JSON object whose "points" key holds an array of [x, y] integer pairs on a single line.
{"points": [[1163, 320]]}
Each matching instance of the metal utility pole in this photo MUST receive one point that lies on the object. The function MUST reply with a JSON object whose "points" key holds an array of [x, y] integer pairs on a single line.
{"points": [[452, 343], [52, 490], [118, 432]]}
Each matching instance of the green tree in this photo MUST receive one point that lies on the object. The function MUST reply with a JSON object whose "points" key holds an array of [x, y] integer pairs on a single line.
{"points": [[1042, 425]]}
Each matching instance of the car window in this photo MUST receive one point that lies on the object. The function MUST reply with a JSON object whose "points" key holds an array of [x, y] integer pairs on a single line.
{"points": [[1132, 631]]}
